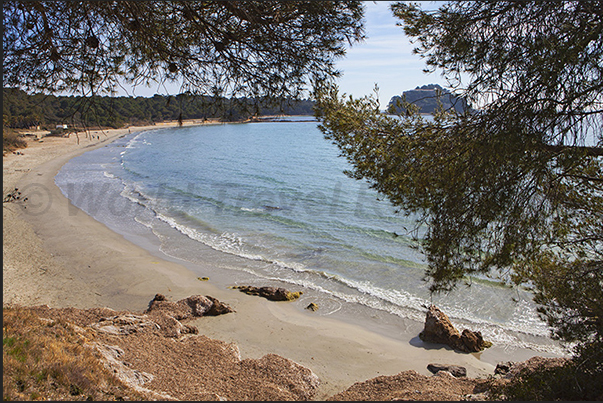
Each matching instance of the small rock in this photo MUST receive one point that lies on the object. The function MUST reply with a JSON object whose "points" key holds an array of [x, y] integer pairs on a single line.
{"points": [[198, 304], [188, 329], [217, 308], [270, 293], [476, 397], [456, 370], [312, 307], [502, 368]]}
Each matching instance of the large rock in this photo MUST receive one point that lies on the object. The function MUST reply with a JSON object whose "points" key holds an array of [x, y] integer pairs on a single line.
{"points": [[125, 324], [270, 293], [193, 306], [473, 342], [112, 360], [438, 329], [168, 314]]}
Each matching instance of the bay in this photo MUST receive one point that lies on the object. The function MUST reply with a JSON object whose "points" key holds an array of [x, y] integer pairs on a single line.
{"points": [[268, 203]]}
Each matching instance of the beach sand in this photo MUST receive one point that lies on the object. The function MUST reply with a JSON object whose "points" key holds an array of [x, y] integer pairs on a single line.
{"points": [[55, 254]]}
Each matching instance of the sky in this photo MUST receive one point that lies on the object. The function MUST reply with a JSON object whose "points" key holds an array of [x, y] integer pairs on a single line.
{"points": [[385, 58]]}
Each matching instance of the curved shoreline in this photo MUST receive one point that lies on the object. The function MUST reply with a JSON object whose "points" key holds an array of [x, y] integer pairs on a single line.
{"points": [[55, 254]]}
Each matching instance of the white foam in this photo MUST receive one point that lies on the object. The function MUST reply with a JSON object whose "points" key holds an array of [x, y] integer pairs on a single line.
{"points": [[297, 267], [226, 242], [145, 223], [251, 210], [133, 142]]}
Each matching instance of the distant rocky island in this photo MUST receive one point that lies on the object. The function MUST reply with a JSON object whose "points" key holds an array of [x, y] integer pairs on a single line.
{"points": [[426, 98]]}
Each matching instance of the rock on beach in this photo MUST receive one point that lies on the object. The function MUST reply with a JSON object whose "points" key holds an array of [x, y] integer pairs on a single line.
{"points": [[440, 330]]}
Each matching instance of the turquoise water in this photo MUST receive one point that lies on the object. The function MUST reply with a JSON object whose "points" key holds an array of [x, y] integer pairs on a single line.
{"points": [[271, 203]]}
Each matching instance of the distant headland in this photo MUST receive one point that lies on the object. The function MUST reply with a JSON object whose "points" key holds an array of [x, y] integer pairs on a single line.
{"points": [[428, 98]]}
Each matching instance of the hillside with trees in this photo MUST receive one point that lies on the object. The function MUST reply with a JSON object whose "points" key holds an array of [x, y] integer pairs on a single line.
{"points": [[20, 110]]}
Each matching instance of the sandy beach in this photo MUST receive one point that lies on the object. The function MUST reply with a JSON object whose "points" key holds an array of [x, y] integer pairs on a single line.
{"points": [[55, 254]]}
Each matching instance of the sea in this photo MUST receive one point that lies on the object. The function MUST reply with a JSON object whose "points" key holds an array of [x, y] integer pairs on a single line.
{"points": [[269, 203]]}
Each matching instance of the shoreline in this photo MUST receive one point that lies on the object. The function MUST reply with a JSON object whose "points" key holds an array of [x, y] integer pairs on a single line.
{"points": [[55, 254]]}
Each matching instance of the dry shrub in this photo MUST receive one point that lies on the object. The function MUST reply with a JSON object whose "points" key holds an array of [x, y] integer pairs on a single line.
{"points": [[44, 359], [11, 140]]}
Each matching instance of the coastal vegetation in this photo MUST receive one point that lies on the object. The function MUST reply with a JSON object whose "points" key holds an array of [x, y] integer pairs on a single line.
{"points": [[21, 110], [49, 360], [514, 190]]}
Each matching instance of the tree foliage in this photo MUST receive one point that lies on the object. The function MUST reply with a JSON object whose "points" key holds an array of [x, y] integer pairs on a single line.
{"points": [[515, 189], [226, 49]]}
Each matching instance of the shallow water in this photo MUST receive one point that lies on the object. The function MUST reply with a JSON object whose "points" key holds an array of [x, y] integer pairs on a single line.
{"points": [[268, 204]]}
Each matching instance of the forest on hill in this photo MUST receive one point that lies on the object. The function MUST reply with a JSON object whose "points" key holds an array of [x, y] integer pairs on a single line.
{"points": [[21, 110]]}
